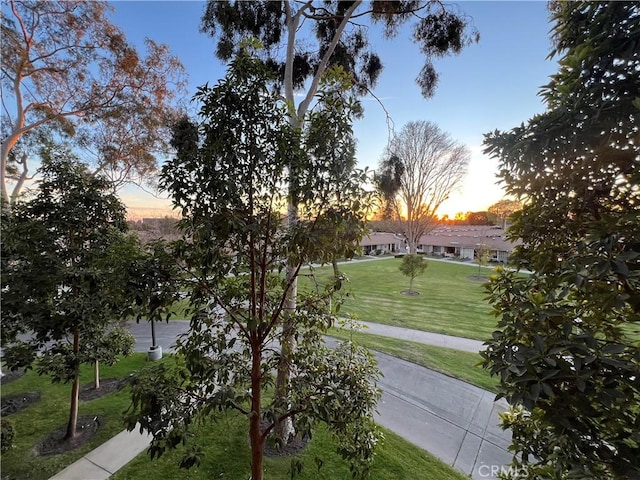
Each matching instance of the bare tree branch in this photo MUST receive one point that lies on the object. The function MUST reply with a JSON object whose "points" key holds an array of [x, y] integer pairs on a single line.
{"points": [[434, 165]]}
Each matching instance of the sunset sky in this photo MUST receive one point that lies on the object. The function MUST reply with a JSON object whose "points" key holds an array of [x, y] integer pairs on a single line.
{"points": [[491, 85]]}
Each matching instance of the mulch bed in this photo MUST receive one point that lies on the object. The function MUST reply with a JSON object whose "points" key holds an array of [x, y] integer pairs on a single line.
{"points": [[410, 293], [19, 401], [11, 375], [478, 278], [107, 385], [294, 446], [53, 444]]}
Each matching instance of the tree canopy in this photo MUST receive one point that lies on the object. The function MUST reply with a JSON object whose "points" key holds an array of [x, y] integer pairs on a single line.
{"points": [[63, 277], [503, 209], [231, 180], [413, 265], [69, 74], [302, 40], [567, 350]]}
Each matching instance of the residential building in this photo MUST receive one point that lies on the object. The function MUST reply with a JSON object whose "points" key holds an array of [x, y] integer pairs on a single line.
{"points": [[462, 242]]}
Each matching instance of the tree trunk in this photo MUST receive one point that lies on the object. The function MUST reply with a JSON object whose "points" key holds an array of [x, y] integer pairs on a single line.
{"points": [[255, 434], [284, 430], [17, 130], [153, 334], [75, 389], [96, 374], [4, 160], [6, 146], [24, 176], [336, 275]]}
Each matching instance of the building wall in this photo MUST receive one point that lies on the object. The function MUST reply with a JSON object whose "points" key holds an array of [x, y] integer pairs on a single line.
{"points": [[502, 256], [467, 252]]}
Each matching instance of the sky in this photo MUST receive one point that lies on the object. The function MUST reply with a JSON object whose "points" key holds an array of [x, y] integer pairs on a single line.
{"points": [[490, 85]]}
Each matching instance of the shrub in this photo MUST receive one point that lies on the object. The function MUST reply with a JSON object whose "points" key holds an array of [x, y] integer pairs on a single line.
{"points": [[8, 435]]}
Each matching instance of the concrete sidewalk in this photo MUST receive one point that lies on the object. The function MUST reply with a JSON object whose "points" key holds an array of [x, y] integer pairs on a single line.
{"points": [[108, 458], [453, 420], [449, 418], [166, 334], [428, 338]]}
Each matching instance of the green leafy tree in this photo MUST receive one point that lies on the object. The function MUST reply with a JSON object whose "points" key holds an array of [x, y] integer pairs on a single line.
{"points": [[503, 210], [230, 180], [483, 255], [412, 266], [303, 40], [68, 72], [338, 156], [478, 218], [567, 350], [154, 283], [61, 291]]}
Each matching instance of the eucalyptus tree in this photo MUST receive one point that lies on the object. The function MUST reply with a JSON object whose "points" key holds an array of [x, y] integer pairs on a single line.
{"points": [[230, 179], [566, 349], [422, 166], [304, 39], [68, 72], [62, 264]]}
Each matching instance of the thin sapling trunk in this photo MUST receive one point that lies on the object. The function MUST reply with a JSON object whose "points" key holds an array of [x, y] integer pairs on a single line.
{"points": [[75, 389], [96, 375]]}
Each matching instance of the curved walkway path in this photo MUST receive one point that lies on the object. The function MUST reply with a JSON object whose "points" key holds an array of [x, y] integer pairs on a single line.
{"points": [[428, 338], [455, 421]]}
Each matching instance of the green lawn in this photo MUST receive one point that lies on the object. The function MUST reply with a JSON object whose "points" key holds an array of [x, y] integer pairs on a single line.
{"points": [[227, 451], [51, 412], [227, 456], [449, 301], [454, 363]]}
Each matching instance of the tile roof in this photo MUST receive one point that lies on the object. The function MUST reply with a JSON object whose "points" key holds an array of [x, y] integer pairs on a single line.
{"points": [[469, 236]]}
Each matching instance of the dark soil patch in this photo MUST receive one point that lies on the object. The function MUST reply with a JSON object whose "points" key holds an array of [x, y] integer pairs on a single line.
{"points": [[478, 278], [410, 293], [108, 385], [19, 401], [295, 445], [87, 426], [12, 375]]}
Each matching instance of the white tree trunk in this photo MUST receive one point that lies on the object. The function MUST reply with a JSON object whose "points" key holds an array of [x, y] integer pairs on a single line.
{"points": [[285, 429]]}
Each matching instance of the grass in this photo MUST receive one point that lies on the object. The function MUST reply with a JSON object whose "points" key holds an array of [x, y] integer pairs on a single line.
{"points": [[454, 363], [227, 456], [227, 453], [449, 302], [51, 412]]}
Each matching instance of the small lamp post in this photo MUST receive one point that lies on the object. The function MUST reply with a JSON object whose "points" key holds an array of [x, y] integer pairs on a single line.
{"points": [[155, 351]]}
